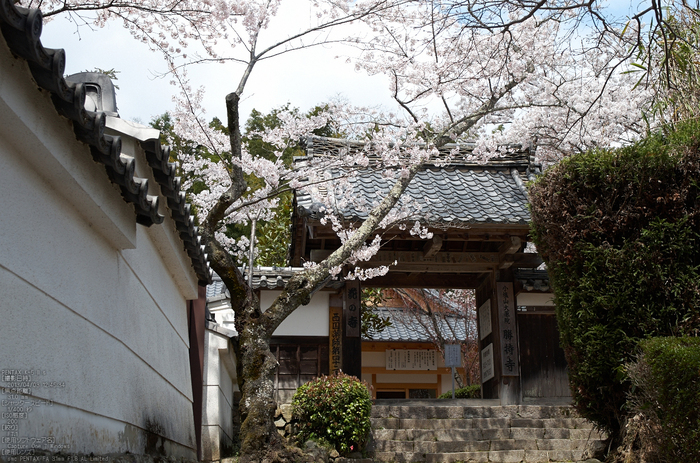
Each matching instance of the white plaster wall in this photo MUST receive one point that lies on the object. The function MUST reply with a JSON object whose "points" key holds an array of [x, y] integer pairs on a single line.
{"points": [[107, 323], [374, 359], [219, 386], [545, 299], [220, 306], [307, 320], [33, 130]]}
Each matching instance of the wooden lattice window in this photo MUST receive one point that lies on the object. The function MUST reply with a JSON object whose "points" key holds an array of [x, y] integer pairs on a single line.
{"points": [[297, 365]]}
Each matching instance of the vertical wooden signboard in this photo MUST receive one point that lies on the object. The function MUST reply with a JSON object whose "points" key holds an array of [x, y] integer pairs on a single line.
{"points": [[335, 334], [508, 330], [352, 309]]}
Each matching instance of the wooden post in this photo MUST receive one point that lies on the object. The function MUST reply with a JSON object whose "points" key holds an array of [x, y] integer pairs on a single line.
{"points": [[352, 343], [509, 348], [499, 345]]}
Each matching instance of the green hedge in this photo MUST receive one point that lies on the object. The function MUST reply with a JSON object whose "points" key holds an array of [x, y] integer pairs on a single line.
{"points": [[619, 231], [467, 392], [672, 386], [335, 409]]}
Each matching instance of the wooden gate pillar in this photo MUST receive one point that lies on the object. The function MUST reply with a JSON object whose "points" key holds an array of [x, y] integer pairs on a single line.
{"points": [[352, 342], [498, 339]]}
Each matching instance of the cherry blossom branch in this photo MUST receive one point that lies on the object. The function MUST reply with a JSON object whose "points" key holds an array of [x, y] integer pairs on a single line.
{"points": [[301, 286]]}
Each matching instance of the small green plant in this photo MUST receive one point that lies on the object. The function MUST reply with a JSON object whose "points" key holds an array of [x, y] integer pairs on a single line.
{"points": [[335, 409], [467, 392]]}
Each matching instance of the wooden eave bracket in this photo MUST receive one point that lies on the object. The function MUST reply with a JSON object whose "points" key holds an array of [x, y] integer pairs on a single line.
{"points": [[508, 249], [432, 247]]}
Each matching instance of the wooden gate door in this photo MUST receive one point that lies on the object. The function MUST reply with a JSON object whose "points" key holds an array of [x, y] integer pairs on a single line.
{"points": [[542, 364]]}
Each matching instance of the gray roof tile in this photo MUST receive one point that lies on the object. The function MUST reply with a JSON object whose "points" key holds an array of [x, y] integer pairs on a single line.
{"points": [[408, 328], [461, 193], [263, 278]]}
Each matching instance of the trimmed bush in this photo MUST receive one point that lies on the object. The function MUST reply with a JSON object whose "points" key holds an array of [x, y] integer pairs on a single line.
{"points": [[467, 392], [667, 375], [335, 409], [619, 231]]}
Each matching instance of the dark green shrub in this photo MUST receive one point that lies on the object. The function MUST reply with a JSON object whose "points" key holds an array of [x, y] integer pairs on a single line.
{"points": [[467, 392], [619, 233], [335, 409], [617, 297], [668, 376], [610, 196], [665, 400]]}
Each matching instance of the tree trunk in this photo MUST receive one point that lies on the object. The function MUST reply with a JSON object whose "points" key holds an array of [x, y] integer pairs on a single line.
{"points": [[255, 368], [260, 440]]}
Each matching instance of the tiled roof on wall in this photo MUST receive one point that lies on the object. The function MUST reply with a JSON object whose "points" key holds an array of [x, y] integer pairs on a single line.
{"points": [[407, 326], [263, 278], [22, 29]]}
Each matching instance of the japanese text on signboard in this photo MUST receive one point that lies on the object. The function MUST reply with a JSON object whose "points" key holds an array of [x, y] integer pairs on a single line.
{"points": [[352, 309], [487, 363], [336, 346], [508, 331], [411, 359], [485, 319]]}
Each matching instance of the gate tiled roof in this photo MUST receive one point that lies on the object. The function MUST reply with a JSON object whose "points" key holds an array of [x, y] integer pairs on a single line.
{"points": [[463, 192]]}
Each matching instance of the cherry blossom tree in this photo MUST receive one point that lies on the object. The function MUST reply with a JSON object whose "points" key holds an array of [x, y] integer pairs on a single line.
{"points": [[519, 84], [659, 37], [525, 81], [503, 72]]}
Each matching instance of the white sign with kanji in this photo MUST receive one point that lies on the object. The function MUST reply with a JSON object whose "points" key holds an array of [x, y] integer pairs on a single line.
{"points": [[411, 359], [485, 319], [487, 363], [453, 355]]}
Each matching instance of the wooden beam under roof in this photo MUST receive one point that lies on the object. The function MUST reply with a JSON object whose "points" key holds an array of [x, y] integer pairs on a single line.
{"points": [[417, 261], [526, 260], [426, 280], [508, 248], [448, 262]]}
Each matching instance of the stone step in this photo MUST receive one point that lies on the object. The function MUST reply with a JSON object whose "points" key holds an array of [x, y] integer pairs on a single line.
{"points": [[400, 457], [481, 423], [495, 456], [428, 446], [489, 435], [450, 433], [436, 410], [431, 447], [433, 434]]}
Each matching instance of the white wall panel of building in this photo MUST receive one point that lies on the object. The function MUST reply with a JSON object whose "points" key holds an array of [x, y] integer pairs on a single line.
{"points": [[86, 297]]}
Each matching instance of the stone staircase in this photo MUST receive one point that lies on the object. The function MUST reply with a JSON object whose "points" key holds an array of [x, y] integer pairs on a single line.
{"points": [[479, 431]]}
